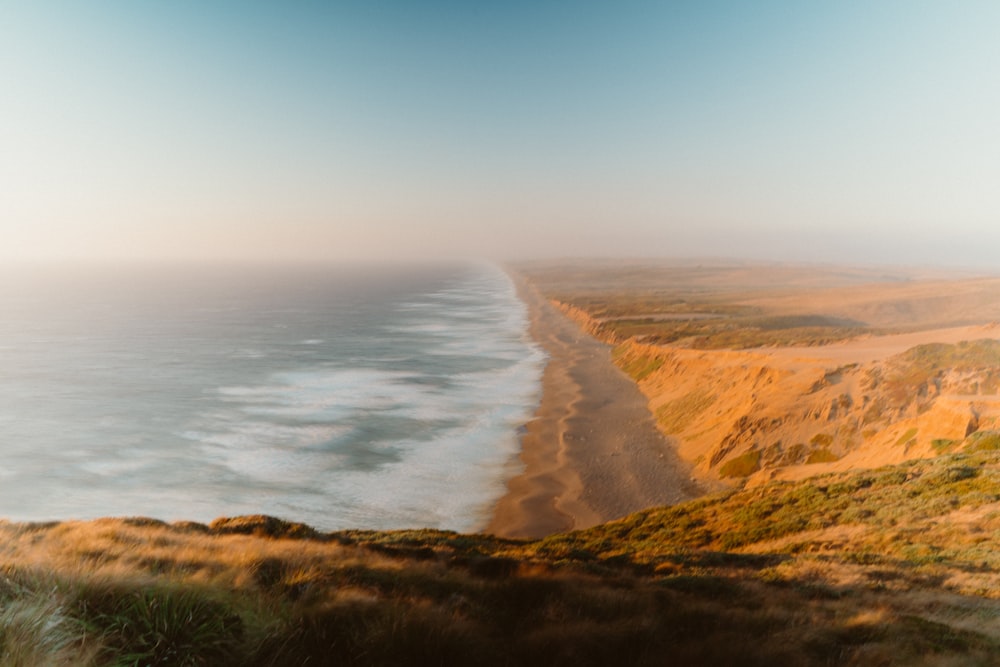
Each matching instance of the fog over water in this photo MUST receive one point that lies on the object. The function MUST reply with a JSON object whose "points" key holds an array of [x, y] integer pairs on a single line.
{"points": [[342, 397], [860, 132]]}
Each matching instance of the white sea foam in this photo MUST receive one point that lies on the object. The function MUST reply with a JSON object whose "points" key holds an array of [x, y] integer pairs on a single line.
{"points": [[398, 406]]}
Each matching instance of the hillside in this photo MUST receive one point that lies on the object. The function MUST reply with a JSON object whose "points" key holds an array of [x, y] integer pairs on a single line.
{"points": [[893, 566], [777, 415], [765, 372]]}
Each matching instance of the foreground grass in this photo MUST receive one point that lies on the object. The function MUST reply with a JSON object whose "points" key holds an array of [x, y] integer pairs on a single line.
{"points": [[896, 566]]}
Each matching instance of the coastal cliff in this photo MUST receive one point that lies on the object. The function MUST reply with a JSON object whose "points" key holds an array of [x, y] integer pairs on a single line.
{"points": [[788, 413]]}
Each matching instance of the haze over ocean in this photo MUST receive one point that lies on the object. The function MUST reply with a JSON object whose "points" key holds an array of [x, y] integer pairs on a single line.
{"points": [[233, 131], [345, 397]]}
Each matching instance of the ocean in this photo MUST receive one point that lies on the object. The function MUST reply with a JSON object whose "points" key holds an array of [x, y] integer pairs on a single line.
{"points": [[342, 397]]}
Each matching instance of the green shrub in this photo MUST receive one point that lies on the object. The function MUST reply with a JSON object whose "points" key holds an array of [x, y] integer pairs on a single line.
{"points": [[822, 440], [942, 445], [823, 455], [162, 627], [741, 466], [982, 441], [676, 415]]}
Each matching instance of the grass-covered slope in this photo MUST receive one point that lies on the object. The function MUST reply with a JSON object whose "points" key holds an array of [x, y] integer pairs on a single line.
{"points": [[894, 566]]}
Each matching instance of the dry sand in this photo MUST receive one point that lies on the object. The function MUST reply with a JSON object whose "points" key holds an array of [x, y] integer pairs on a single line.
{"points": [[592, 452]]}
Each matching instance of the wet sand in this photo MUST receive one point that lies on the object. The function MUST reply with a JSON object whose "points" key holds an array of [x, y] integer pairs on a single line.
{"points": [[592, 452]]}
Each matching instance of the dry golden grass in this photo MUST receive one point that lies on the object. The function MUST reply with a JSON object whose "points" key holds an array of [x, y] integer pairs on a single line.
{"points": [[898, 566]]}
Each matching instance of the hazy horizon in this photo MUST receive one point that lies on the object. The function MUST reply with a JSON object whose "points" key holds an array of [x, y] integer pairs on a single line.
{"points": [[845, 132]]}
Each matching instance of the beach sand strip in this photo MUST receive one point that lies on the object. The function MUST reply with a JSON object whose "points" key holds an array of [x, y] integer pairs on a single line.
{"points": [[592, 452]]}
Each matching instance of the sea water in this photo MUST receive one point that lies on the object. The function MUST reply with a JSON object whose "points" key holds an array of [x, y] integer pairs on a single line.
{"points": [[378, 397]]}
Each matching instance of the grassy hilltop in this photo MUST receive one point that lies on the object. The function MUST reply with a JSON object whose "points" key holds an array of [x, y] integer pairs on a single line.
{"points": [[893, 566]]}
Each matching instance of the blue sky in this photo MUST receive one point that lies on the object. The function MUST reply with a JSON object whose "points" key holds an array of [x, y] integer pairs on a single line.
{"points": [[839, 131]]}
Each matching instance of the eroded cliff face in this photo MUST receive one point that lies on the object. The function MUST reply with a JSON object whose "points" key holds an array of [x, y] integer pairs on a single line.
{"points": [[754, 414], [766, 414]]}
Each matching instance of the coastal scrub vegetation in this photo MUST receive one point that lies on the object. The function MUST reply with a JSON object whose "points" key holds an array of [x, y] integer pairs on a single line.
{"points": [[676, 415], [743, 465], [638, 367], [704, 324], [920, 370], [892, 566]]}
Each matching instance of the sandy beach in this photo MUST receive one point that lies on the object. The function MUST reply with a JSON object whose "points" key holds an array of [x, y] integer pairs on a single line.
{"points": [[592, 452]]}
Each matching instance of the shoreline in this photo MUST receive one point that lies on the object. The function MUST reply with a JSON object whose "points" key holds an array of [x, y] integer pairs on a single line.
{"points": [[591, 452]]}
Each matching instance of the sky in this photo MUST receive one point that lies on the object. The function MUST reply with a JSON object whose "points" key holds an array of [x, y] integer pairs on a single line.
{"points": [[830, 131]]}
